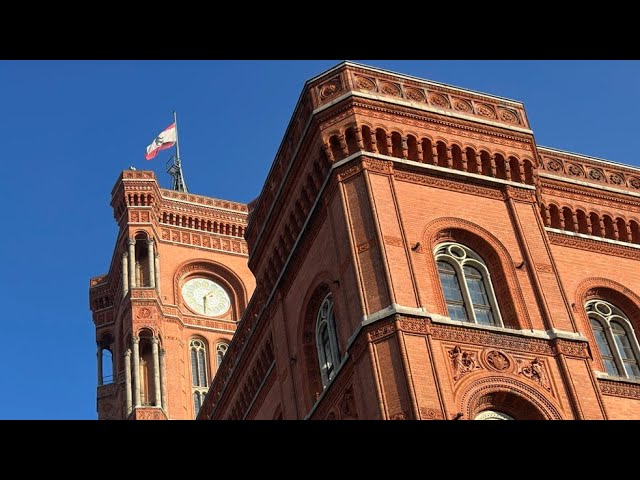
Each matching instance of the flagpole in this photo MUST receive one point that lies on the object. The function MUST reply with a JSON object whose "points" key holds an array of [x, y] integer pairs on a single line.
{"points": [[175, 120], [176, 169]]}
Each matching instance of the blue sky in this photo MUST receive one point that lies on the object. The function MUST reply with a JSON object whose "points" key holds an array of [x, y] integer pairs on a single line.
{"points": [[70, 127]]}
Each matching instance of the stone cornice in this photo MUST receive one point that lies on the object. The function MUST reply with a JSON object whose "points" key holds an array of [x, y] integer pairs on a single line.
{"points": [[585, 193], [593, 244], [203, 201], [589, 171], [418, 93]]}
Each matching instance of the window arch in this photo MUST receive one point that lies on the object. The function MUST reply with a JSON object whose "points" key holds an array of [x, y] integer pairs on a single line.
{"points": [[199, 378], [467, 285], [326, 341], [617, 343], [221, 349]]}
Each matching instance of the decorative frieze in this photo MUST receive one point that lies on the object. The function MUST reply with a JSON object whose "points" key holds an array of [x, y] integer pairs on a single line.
{"points": [[211, 242], [490, 339], [589, 170], [437, 96], [619, 388], [446, 184]]}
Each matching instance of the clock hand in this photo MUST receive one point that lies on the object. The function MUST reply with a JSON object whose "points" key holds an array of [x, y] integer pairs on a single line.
{"points": [[205, 303]]}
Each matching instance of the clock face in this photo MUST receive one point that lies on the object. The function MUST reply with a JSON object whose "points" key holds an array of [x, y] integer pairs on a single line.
{"points": [[205, 297]]}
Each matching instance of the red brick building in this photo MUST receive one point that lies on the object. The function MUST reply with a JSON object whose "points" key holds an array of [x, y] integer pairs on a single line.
{"points": [[416, 256]]}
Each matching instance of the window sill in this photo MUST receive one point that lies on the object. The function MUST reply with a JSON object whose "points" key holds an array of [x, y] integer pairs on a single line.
{"points": [[541, 334], [606, 376], [618, 386]]}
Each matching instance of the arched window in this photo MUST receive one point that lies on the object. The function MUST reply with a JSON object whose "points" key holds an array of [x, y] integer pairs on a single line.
{"points": [[492, 415], [326, 341], [221, 349], [616, 339], [107, 366], [467, 285], [199, 380]]}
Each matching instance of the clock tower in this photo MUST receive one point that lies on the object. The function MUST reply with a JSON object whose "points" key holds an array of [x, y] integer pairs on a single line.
{"points": [[166, 310]]}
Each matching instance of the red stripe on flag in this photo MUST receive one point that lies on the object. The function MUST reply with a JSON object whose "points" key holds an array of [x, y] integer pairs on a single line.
{"points": [[152, 154]]}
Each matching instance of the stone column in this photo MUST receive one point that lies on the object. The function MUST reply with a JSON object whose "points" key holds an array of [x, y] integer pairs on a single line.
{"points": [[420, 152], [343, 145], [374, 142], [546, 215], [99, 365], [127, 378], [156, 371], [576, 225], [478, 160], [163, 381], [463, 160], [507, 169], [157, 270], [356, 130], [449, 158], [603, 230], [151, 258], [136, 370], [132, 262], [434, 148], [523, 178], [627, 227], [125, 274], [328, 152]]}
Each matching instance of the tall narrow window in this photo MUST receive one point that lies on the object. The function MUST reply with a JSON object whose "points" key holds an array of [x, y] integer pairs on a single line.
{"points": [[107, 366], [199, 380], [326, 341], [617, 343], [221, 349], [466, 285]]}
